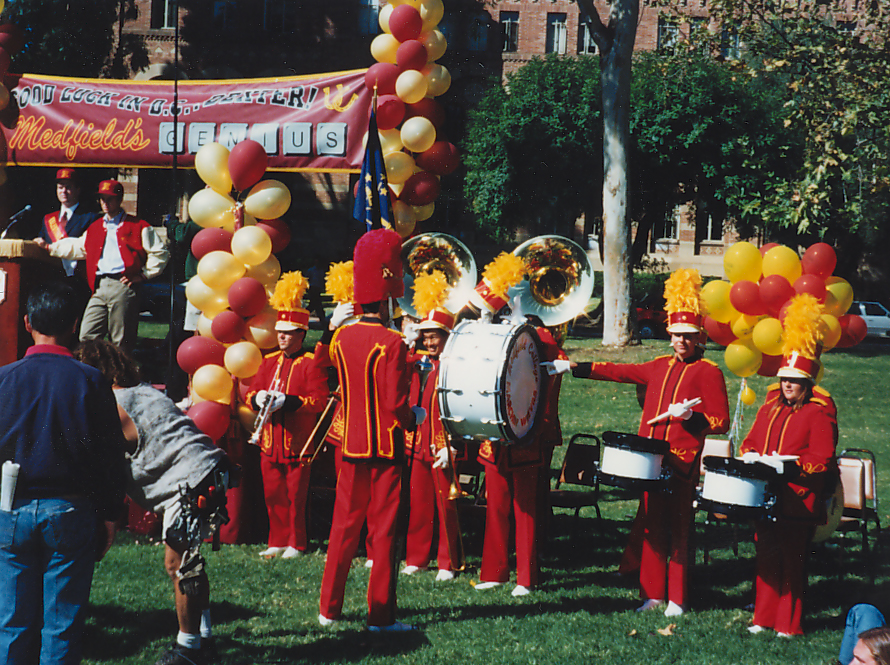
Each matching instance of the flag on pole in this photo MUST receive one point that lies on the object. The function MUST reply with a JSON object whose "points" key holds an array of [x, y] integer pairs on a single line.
{"points": [[372, 205]]}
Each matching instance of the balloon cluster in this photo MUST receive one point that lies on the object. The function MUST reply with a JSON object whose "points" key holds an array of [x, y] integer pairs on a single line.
{"points": [[237, 270], [409, 120], [12, 39], [746, 313]]}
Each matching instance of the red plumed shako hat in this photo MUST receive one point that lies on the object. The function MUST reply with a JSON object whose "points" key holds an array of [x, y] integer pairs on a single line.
{"points": [[377, 266]]}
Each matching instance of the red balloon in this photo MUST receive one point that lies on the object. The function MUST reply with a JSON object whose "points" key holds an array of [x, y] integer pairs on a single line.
{"points": [[198, 351], [745, 297], [212, 418], [405, 23], [721, 333], [775, 291], [278, 231], [442, 158], [228, 327], [390, 111], [853, 330], [411, 55], [211, 240], [430, 109], [247, 297], [421, 188], [770, 365], [383, 75], [247, 164], [812, 284], [819, 259], [243, 389], [768, 246], [12, 38]]}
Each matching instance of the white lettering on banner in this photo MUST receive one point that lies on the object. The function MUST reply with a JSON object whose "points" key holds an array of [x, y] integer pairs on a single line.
{"points": [[266, 134], [200, 134], [34, 95], [331, 138], [231, 133], [295, 137], [86, 96], [165, 138]]}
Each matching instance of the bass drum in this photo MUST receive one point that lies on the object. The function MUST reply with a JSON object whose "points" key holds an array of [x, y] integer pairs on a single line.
{"points": [[490, 382], [835, 510]]}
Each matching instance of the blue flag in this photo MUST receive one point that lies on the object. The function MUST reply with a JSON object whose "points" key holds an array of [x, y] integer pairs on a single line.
{"points": [[372, 204]]}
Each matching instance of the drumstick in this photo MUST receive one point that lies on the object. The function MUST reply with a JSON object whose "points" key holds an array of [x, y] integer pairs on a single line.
{"points": [[687, 404]]}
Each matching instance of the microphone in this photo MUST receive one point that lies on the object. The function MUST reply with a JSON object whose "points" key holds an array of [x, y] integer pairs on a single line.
{"points": [[12, 220]]}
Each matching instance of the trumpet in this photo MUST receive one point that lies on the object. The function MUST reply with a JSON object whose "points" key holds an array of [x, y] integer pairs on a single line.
{"points": [[459, 558], [263, 414]]}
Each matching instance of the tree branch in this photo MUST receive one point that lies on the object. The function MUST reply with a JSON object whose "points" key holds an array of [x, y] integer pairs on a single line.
{"points": [[603, 37]]}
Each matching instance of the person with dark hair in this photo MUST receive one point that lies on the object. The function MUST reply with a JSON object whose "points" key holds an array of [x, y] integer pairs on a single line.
{"points": [[873, 647], [173, 466], [58, 424], [862, 617]]}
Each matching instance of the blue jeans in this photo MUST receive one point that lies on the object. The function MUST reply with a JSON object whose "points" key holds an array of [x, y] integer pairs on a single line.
{"points": [[47, 554], [860, 618]]}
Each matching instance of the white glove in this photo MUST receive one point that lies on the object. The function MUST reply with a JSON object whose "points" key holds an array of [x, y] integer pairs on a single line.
{"points": [[442, 458], [419, 415], [516, 315], [557, 367], [341, 314], [277, 399], [750, 457], [411, 333], [680, 410]]}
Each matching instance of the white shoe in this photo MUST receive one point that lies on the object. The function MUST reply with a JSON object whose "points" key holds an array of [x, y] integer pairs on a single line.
{"points": [[520, 591], [482, 586], [785, 635], [651, 604], [408, 570], [369, 563], [673, 610], [444, 575], [272, 551], [324, 621], [755, 629], [291, 552]]}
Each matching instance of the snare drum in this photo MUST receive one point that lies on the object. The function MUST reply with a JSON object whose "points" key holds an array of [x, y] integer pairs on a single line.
{"points": [[633, 462], [737, 489], [490, 382]]}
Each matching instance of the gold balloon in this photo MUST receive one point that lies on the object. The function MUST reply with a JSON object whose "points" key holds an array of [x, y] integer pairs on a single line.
{"points": [[418, 134], [839, 296], [383, 17], [210, 301], [438, 80], [748, 396], [831, 331], [742, 261], [266, 273], [405, 220], [743, 325], [210, 209], [268, 199], [390, 140], [246, 416], [767, 336], [384, 48], [715, 295], [212, 382], [197, 399], [219, 270], [261, 329], [212, 164], [431, 12], [251, 245], [243, 359], [204, 326], [423, 213], [411, 86], [399, 167], [742, 358], [435, 44], [782, 261]]}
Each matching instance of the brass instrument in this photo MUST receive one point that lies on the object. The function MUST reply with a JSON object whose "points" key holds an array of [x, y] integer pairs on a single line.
{"points": [[263, 414], [438, 251], [455, 492], [558, 282], [321, 429]]}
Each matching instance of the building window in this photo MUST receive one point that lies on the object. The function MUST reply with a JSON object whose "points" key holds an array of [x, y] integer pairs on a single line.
{"points": [[713, 228], [477, 39], [669, 228], [163, 14], [730, 46], [510, 31], [368, 12], [557, 34], [586, 44], [668, 34]]}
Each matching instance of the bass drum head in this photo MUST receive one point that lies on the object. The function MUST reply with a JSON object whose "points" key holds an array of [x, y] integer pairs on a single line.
{"points": [[521, 400], [835, 510]]}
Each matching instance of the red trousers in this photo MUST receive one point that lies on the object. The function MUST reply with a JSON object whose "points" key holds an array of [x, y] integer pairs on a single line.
{"points": [[364, 490], [429, 495], [286, 488], [506, 489], [667, 519], [782, 549]]}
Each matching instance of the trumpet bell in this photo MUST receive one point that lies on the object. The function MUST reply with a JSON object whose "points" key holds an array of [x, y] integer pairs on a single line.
{"points": [[438, 251], [559, 279]]}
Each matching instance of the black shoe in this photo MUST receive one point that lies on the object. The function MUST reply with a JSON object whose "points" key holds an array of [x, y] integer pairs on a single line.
{"points": [[180, 655]]}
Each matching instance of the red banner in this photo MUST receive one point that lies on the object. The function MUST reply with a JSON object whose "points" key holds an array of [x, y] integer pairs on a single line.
{"points": [[305, 123]]}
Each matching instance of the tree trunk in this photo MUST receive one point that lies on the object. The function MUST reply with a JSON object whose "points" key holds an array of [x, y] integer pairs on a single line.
{"points": [[616, 74]]}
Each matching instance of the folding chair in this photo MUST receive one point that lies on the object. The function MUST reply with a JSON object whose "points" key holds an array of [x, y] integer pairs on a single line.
{"points": [[578, 467], [859, 479]]}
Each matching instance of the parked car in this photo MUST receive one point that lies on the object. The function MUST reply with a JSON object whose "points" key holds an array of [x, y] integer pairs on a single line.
{"points": [[876, 316]]}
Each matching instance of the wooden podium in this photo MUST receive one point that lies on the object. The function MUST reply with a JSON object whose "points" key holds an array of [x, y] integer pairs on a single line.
{"points": [[22, 264]]}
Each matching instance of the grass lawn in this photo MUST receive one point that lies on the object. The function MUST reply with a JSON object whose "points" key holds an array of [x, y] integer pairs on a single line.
{"points": [[265, 611]]}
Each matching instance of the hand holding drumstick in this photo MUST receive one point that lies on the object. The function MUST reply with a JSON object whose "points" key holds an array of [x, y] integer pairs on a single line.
{"points": [[679, 410]]}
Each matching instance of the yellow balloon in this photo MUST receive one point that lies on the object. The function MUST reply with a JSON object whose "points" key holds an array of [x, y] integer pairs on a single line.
{"points": [[431, 12], [246, 416], [251, 245], [748, 396], [411, 86], [210, 209], [384, 48], [715, 295], [418, 134], [4, 97], [212, 382], [423, 213], [831, 331], [742, 261], [243, 359], [268, 199], [219, 270], [782, 261], [399, 167], [839, 296], [405, 220], [210, 301], [767, 336], [212, 164], [397, 187], [261, 329], [742, 358], [390, 140], [204, 326], [266, 273], [743, 325], [383, 17], [197, 399], [438, 80], [435, 44]]}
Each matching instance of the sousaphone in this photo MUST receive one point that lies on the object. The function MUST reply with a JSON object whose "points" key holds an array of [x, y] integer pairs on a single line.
{"points": [[438, 251]]}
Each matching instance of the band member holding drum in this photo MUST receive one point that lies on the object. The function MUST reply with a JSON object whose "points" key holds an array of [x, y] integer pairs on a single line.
{"points": [[371, 362], [671, 381], [290, 388], [793, 421]]}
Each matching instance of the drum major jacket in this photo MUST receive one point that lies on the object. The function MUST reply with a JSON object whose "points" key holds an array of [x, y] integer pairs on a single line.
{"points": [[430, 435]]}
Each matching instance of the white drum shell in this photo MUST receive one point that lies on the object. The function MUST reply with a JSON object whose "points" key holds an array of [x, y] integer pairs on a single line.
{"points": [[631, 463], [734, 491]]}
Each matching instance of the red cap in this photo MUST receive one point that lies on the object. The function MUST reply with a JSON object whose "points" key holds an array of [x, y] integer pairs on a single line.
{"points": [[685, 322], [66, 174], [797, 366], [111, 188]]}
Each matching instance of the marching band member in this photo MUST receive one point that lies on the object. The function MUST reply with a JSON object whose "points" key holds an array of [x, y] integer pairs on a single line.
{"points": [[670, 381], [291, 383], [371, 362], [794, 420], [430, 474]]}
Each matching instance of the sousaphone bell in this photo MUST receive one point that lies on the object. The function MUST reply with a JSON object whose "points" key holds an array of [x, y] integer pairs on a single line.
{"points": [[438, 251]]}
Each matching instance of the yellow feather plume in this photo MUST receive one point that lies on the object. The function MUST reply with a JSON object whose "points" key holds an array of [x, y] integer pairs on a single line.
{"points": [[339, 282], [289, 290], [682, 292], [430, 291], [503, 273], [802, 331]]}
